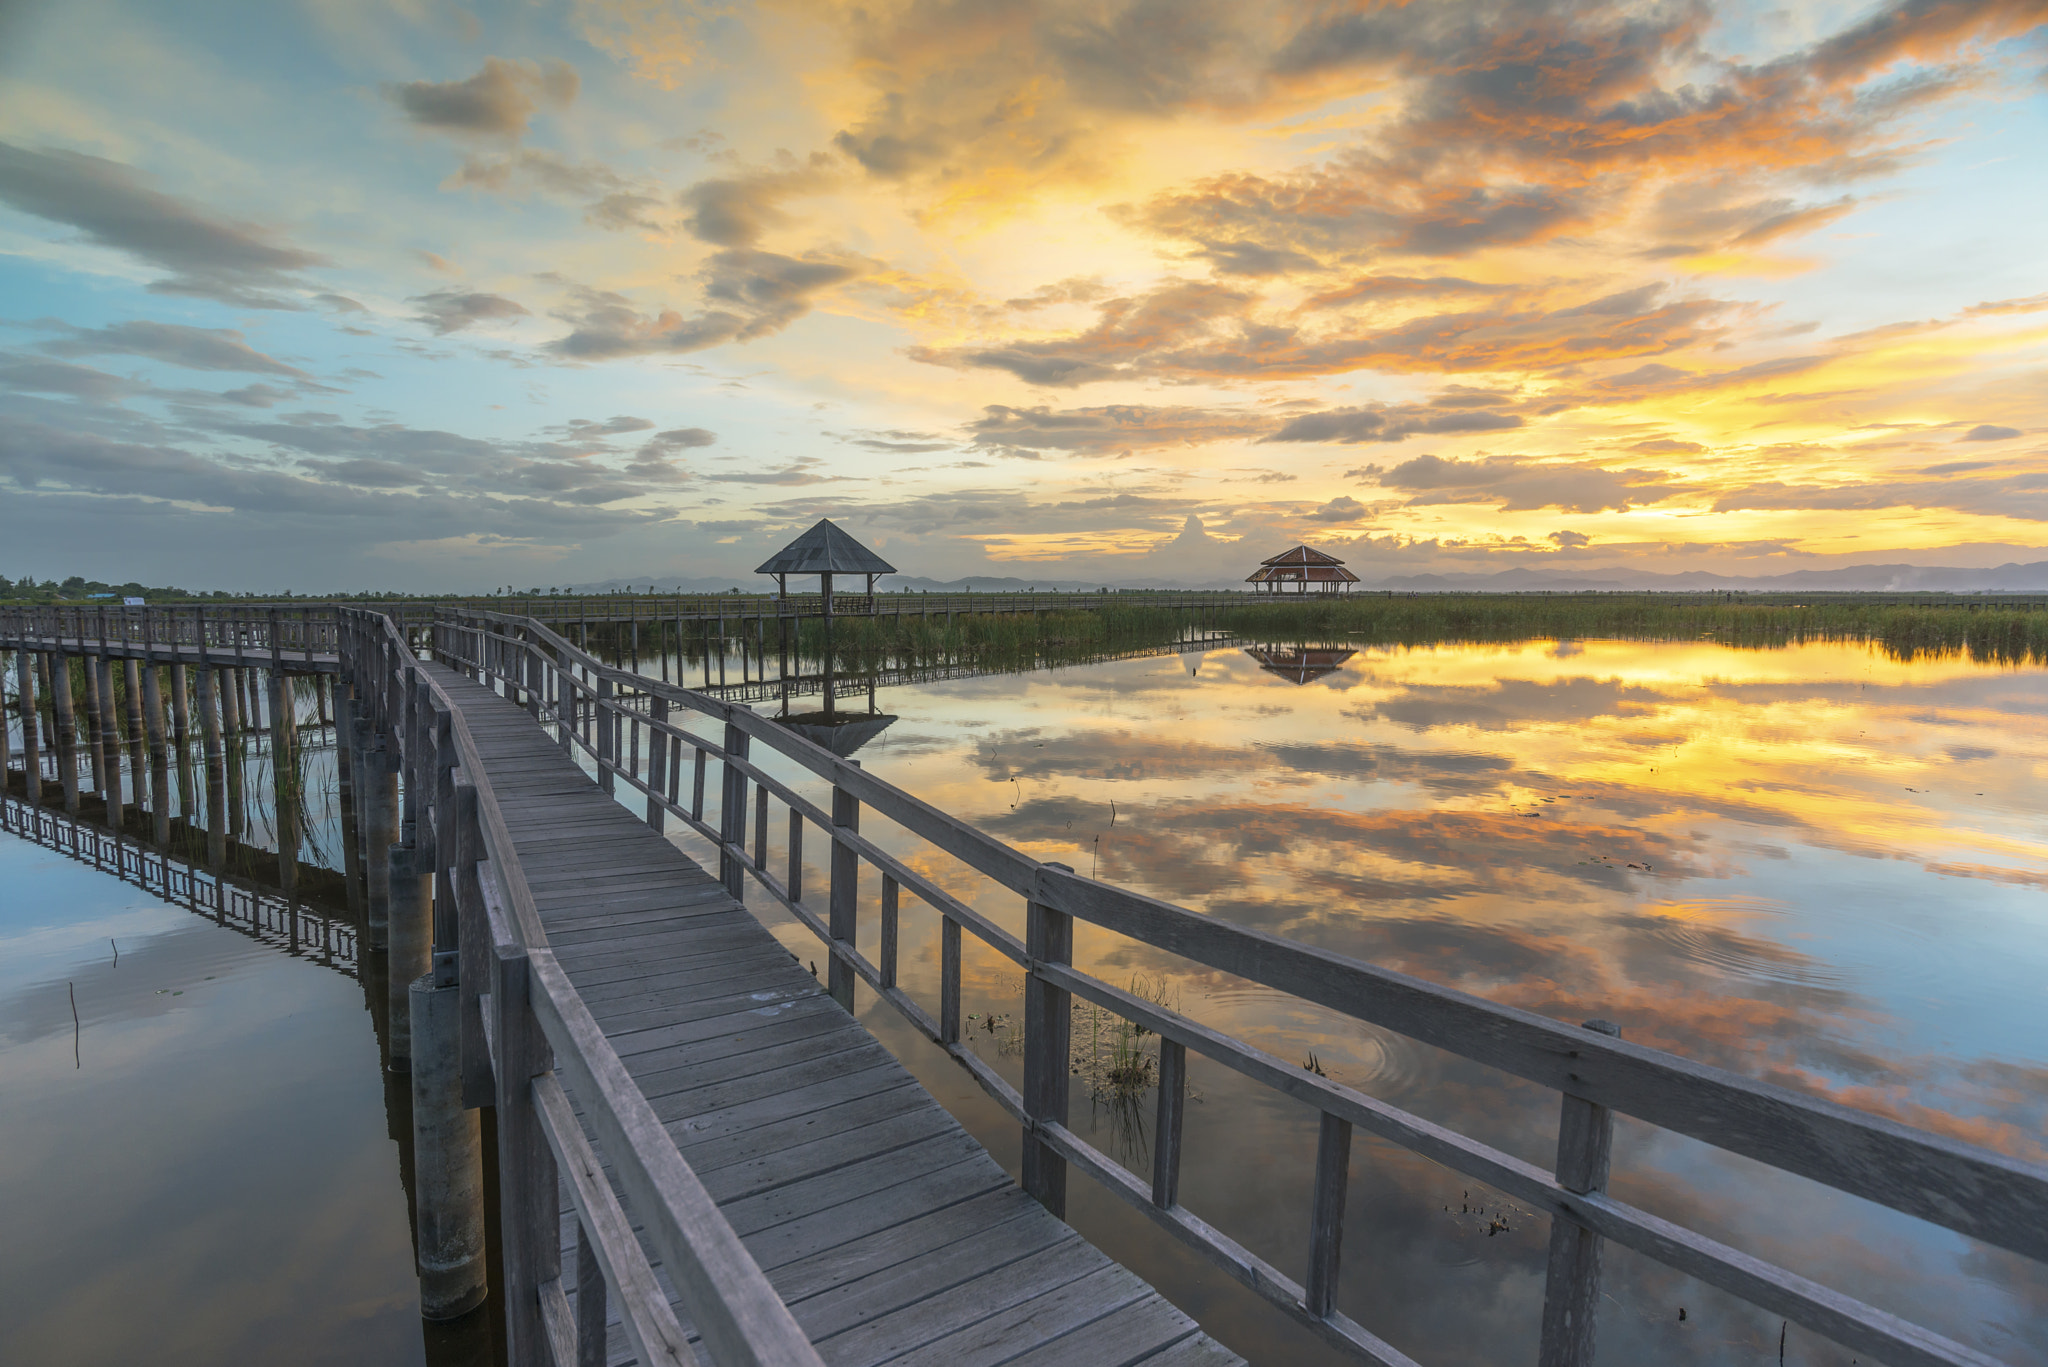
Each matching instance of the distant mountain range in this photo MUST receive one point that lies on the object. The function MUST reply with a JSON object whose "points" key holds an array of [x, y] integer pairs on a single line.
{"points": [[2008, 578]]}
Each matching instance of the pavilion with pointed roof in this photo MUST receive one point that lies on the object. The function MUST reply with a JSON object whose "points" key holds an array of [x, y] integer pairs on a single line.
{"points": [[825, 550], [1303, 566]]}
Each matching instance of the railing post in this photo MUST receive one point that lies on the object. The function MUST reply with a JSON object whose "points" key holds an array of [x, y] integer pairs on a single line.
{"points": [[1326, 1222], [1571, 1293], [529, 1214], [844, 897], [657, 761], [890, 929], [565, 706], [732, 813], [607, 736], [1173, 1101], [1048, 1026]]}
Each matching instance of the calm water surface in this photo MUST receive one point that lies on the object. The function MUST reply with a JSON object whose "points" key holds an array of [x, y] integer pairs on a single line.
{"points": [[1812, 865], [202, 1172]]}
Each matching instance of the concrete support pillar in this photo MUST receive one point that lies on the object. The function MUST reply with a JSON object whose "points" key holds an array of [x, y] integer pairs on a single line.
{"points": [[110, 732], [96, 743], [377, 813], [67, 729], [181, 743], [31, 728], [138, 763], [159, 757], [410, 936], [347, 770], [447, 1142], [284, 770], [216, 768]]}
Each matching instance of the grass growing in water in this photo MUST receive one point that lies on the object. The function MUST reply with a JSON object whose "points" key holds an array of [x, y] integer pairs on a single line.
{"points": [[1988, 633]]}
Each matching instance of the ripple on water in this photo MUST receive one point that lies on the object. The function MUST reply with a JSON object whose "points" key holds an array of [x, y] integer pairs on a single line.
{"points": [[1705, 933]]}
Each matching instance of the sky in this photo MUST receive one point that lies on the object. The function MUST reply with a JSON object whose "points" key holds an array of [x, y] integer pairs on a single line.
{"points": [[382, 294]]}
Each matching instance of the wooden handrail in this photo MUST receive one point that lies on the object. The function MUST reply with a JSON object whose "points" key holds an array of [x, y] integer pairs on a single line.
{"points": [[532, 1018], [1973, 1191]]}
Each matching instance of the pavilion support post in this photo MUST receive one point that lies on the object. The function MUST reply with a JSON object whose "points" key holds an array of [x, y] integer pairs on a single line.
{"points": [[31, 729], [159, 757]]}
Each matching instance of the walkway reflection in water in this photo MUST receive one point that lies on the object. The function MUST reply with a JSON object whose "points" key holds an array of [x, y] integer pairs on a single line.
{"points": [[210, 1178]]}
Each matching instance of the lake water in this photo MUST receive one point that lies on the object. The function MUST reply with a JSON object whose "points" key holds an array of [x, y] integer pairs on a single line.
{"points": [[1812, 865]]}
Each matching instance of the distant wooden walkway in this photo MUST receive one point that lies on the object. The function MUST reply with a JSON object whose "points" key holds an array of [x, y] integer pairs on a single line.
{"points": [[887, 1229]]}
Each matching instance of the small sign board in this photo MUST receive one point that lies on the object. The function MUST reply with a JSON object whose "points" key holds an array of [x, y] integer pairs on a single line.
{"points": [[131, 602]]}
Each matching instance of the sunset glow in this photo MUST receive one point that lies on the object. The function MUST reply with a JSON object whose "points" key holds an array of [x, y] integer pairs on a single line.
{"points": [[398, 295]]}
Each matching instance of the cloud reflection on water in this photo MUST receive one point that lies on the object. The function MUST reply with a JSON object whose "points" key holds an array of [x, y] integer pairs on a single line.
{"points": [[1813, 866]]}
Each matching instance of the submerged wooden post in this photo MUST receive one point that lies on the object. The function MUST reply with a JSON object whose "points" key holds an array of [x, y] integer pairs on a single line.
{"points": [[159, 757], [216, 768], [1048, 1026], [1571, 1292], [377, 815], [31, 727], [844, 895]]}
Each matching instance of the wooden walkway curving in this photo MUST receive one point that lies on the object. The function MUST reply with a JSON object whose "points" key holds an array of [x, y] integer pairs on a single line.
{"points": [[890, 1233]]}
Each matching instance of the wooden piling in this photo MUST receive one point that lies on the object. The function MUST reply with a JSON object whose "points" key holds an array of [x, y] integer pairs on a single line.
{"points": [[347, 775]]}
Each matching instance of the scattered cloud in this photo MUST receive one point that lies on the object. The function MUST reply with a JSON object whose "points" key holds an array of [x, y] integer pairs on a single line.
{"points": [[447, 311], [1990, 432], [114, 207], [173, 344], [499, 101]]}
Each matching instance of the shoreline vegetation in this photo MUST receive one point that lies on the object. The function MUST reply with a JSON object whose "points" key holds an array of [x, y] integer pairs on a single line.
{"points": [[1985, 633]]}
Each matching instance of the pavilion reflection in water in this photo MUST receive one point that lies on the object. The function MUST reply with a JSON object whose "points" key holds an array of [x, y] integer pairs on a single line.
{"points": [[1299, 664]]}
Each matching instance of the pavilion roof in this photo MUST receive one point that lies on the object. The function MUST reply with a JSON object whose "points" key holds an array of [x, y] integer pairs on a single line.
{"points": [[825, 549], [1302, 555], [1294, 572]]}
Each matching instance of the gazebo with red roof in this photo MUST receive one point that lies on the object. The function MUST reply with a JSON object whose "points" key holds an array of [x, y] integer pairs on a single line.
{"points": [[1302, 567]]}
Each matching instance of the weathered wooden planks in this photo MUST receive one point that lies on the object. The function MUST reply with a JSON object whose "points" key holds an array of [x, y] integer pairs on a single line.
{"points": [[889, 1231]]}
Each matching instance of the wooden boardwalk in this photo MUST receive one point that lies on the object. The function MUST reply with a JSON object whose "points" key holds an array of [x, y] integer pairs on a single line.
{"points": [[887, 1229]]}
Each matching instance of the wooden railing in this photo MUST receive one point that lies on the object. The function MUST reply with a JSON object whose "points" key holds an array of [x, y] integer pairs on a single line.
{"points": [[639, 741], [528, 1041], [257, 633]]}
